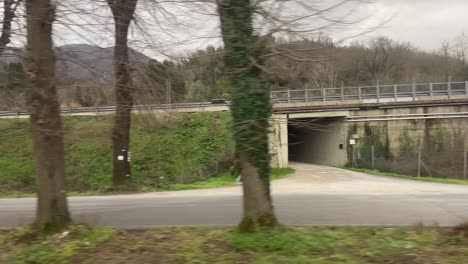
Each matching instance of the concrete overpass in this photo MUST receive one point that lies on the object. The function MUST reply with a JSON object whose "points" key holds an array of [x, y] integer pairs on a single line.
{"points": [[303, 100], [319, 125]]}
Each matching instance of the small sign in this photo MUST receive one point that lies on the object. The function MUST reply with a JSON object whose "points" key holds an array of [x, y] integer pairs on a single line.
{"points": [[352, 142], [120, 157]]}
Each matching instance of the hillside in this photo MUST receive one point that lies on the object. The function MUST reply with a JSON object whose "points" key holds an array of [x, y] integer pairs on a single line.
{"points": [[80, 62]]}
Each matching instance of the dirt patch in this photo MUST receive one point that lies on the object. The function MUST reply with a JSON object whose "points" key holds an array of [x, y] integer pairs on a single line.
{"points": [[173, 245], [127, 247]]}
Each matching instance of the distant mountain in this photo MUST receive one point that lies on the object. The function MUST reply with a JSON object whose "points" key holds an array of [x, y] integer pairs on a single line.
{"points": [[80, 62]]}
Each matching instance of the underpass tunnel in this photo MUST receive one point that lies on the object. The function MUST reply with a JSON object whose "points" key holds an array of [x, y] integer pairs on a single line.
{"points": [[320, 141]]}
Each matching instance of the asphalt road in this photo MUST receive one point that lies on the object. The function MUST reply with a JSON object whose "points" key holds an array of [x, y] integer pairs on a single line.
{"points": [[314, 195]]}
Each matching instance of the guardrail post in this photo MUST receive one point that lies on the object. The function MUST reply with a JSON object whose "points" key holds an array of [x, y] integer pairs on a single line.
{"points": [[419, 162], [360, 94], [17, 114], [69, 110], [465, 156], [324, 95], [466, 89], [342, 92], [395, 92], [289, 96], [449, 87], [377, 91], [413, 89], [431, 90], [307, 95]]}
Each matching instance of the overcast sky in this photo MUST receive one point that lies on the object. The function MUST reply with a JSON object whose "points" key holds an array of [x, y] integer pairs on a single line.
{"points": [[424, 23]]}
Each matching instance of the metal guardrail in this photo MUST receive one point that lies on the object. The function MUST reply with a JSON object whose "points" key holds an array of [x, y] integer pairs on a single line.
{"points": [[373, 94], [360, 94], [111, 109]]}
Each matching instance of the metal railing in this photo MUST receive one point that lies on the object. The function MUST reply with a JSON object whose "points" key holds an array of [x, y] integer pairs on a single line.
{"points": [[373, 94], [111, 109], [358, 94]]}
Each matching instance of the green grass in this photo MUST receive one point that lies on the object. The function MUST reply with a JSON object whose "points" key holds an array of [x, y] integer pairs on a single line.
{"points": [[317, 245], [225, 180], [427, 179], [56, 248], [178, 148]]}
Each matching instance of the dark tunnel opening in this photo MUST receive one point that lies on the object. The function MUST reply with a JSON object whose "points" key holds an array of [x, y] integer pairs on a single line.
{"points": [[320, 141]]}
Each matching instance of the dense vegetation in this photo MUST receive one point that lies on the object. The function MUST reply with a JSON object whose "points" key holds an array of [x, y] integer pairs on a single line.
{"points": [[166, 149]]}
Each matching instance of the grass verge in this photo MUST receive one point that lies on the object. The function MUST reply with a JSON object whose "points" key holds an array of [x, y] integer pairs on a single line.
{"points": [[313, 245], [396, 175], [166, 148], [24, 246], [223, 180]]}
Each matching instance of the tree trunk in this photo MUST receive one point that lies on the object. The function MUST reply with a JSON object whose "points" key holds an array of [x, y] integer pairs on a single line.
{"points": [[44, 110], [251, 111], [123, 11]]}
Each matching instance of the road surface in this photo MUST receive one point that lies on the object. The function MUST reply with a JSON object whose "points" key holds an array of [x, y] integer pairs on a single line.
{"points": [[314, 195]]}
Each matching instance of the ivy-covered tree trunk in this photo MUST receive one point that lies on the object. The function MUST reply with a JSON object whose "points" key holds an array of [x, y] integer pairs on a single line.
{"points": [[251, 111], [123, 12], [44, 109]]}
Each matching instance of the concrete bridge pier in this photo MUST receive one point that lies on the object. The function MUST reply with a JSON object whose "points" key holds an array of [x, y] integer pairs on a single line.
{"points": [[279, 148]]}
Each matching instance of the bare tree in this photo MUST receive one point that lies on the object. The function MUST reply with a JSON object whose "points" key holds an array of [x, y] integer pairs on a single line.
{"points": [[123, 13], [461, 52], [461, 47], [382, 57], [46, 124], [9, 13], [446, 52]]}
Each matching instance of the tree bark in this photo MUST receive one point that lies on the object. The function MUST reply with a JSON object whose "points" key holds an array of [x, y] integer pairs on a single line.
{"points": [[44, 110], [123, 12], [251, 111]]}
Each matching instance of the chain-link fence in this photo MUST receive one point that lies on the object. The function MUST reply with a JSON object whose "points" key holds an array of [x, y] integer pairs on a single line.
{"points": [[435, 155]]}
